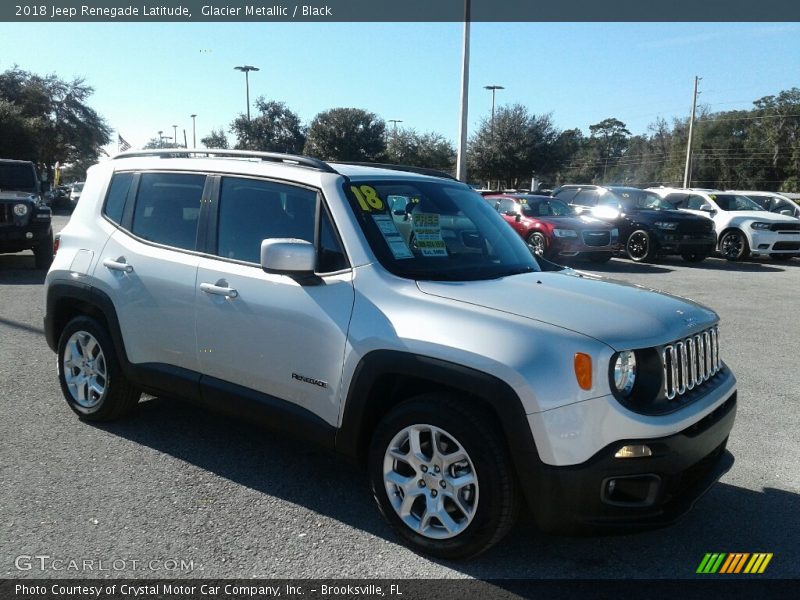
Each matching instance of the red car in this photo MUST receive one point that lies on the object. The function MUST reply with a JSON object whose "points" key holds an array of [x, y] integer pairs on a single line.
{"points": [[553, 229]]}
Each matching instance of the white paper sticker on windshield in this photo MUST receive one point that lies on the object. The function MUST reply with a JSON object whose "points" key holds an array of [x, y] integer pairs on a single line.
{"points": [[428, 234], [394, 240]]}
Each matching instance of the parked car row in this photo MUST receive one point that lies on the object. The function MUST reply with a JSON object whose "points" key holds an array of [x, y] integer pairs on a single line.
{"points": [[596, 222]]}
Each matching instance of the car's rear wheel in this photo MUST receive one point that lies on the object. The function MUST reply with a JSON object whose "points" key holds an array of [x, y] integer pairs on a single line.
{"points": [[538, 242], [639, 246], [733, 245], [442, 478], [90, 375]]}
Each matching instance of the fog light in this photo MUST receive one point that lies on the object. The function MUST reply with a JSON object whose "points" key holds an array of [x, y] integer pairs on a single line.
{"points": [[763, 246], [634, 451]]}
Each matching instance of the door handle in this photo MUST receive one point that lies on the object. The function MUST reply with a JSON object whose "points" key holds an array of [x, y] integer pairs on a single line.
{"points": [[118, 265], [218, 290]]}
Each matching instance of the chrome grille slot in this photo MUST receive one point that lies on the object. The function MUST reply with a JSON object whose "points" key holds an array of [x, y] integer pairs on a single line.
{"points": [[690, 362]]}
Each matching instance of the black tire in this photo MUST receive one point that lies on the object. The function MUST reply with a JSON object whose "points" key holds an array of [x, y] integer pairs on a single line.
{"points": [[694, 257], [781, 256], [639, 246], [118, 396], [495, 494], [43, 253], [733, 245], [599, 257], [538, 242]]}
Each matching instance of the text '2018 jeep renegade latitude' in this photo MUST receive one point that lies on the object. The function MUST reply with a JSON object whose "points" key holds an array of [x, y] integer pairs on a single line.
{"points": [[432, 348]]}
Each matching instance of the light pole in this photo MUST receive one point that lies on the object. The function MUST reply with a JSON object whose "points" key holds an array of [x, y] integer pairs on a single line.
{"points": [[461, 156], [246, 70], [194, 131], [175, 136], [395, 122], [493, 89], [161, 138]]}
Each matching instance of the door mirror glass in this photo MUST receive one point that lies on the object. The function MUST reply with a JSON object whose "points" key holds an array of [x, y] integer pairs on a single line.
{"points": [[288, 256]]}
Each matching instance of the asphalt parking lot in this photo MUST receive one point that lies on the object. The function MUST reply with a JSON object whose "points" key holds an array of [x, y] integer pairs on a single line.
{"points": [[174, 483]]}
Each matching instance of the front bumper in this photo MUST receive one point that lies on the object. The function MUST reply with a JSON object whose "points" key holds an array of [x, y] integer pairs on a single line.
{"points": [[774, 242], [15, 239], [576, 246], [670, 242], [647, 492]]}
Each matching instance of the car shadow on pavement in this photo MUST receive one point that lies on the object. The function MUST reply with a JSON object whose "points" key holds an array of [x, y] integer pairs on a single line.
{"points": [[267, 461], [727, 519], [752, 265], [18, 269]]}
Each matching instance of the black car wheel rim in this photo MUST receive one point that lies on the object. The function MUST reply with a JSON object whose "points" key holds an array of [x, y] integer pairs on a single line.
{"points": [[537, 242], [732, 245], [638, 245]]}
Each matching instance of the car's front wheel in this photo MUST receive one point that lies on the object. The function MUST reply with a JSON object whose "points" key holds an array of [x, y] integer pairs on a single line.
{"points": [[538, 242], [442, 478], [733, 245], [90, 375], [640, 246]]}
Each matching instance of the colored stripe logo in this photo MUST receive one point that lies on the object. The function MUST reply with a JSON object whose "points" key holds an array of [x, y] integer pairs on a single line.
{"points": [[728, 563]]}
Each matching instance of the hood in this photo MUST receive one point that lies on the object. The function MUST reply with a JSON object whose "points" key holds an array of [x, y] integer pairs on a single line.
{"points": [[12, 195], [621, 315], [759, 215], [579, 222]]}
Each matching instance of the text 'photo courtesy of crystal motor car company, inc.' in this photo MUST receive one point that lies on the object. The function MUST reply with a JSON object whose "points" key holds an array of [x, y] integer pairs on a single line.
{"points": [[391, 314]]}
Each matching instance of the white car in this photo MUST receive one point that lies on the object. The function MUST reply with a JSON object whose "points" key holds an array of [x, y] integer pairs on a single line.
{"points": [[743, 228], [772, 201], [448, 362]]}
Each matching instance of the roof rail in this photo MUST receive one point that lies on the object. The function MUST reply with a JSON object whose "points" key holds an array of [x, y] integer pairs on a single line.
{"points": [[294, 159], [408, 168]]}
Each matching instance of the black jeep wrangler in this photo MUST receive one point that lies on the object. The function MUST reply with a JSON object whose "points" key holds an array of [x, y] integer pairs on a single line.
{"points": [[25, 221]]}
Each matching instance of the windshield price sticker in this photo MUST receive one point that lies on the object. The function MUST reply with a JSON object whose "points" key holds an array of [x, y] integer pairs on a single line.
{"points": [[394, 240], [367, 197], [428, 234]]}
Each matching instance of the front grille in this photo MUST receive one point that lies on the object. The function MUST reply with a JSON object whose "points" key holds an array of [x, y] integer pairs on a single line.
{"points": [[690, 362], [5, 213], [696, 226], [785, 227], [786, 246], [596, 238]]}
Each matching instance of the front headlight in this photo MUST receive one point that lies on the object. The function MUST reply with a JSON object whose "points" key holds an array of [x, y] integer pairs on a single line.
{"points": [[20, 210], [668, 225], [759, 225], [564, 233], [625, 372]]}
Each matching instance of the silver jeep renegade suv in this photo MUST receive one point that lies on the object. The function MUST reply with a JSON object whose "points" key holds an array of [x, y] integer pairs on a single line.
{"points": [[390, 314]]}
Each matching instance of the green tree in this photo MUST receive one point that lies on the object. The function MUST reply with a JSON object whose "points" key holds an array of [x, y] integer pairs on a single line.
{"points": [[432, 150], [275, 129], [518, 146], [346, 134], [52, 121], [215, 139]]}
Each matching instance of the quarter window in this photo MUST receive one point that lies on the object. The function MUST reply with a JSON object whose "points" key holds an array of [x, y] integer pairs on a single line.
{"points": [[168, 208], [117, 194]]}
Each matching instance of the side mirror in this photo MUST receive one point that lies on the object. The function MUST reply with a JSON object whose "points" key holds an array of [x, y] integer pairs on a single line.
{"points": [[518, 218], [288, 256]]}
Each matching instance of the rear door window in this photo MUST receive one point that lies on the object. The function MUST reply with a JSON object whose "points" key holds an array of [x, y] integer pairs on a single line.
{"points": [[167, 208]]}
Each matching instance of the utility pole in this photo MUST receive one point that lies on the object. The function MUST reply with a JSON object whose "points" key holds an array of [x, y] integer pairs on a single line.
{"points": [[395, 122], [161, 138], [194, 131], [175, 135], [461, 158], [687, 172], [246, 70], [493, 89]]}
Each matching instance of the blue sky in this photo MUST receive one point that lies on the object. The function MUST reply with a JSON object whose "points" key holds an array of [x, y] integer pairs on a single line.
{"points": [[149, 76]]}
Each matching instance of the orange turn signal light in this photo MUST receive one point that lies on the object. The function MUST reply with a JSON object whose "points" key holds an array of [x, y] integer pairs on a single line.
{"points": [[583, 370]]}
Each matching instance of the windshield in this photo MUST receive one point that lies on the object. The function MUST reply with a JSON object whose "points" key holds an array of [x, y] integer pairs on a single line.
{"points": [[18, 177], [78, 187], [546, 207], [734, 202], [437, 230], [631, 199]]}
